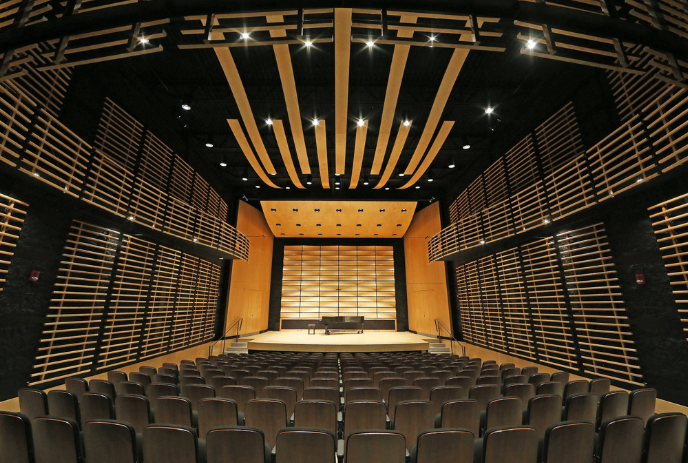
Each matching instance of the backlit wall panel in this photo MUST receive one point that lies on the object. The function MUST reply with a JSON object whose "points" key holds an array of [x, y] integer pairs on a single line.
{"points": [[338, 281]]}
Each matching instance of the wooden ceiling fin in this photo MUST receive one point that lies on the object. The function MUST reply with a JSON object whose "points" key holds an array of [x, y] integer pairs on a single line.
{"points": [[359, 151], [396, 152], [434, 149], [453, 69], [321, 144], [342, 53], [291, 99], [248, 152], [283, 145]]}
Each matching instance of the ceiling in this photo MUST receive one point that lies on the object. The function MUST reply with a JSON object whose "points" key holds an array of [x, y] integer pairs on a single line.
{"points": [[442, 93], [338, 219]]}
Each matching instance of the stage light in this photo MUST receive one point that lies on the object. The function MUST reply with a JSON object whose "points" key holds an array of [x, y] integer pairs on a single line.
{"points": [[131, 217], [489, 110], [430, 180], [361, 122], [316, 122], [407, 123], [143, 41], [433, 38], [546, 221], [401, 174], [308, 43], [245, 35], [268, 121], [482, 241], [370, 43], [531, 44]]}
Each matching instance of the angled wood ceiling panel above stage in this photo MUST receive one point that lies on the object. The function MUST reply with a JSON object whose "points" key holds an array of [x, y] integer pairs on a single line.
{"points": [[355, 219]]}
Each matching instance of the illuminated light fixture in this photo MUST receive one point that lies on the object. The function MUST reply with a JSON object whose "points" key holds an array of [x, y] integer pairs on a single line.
{"points": [[268, 121], [452, 164], [209, 142], [295, 210], [365, 181], [407, 123], [433, 38], [401, 174], [186, 107], [361, 122], [245, 35], [639, 180], [382, 210], [482, 241], [336, 188], [417, 187], [36, 174], [430, 180], [316, 122], [546, 221], [337, 174], [489, 110], [309, 180], [288, 188], [223, 163], [143, 40], [308, 43], [339, 210], [273, 210], [370, 43], [317, 210], [273, 173], [386, 188], [467, 146], [257, 186], [531, 44], [403, 210], [360, 210], [186, 103], [337, 182], [195, 240], [131, 217]]}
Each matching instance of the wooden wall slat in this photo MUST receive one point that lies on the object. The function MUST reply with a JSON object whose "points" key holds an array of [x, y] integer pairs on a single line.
{"points": [[666, 121], [119, 135], [16, 111], [108, 185], [12, 213], [491, 304], [156, 162]]}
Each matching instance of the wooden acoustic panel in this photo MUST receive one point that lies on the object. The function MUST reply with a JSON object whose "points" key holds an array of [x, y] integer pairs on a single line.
{"points": [[156, 162], [108, 185], [119, 135], [321, 219], [12, 213], [16, 110], [666, 120]]}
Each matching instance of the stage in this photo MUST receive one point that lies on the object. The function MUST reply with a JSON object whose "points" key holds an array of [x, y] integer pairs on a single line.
{"points": [[369, 341]]}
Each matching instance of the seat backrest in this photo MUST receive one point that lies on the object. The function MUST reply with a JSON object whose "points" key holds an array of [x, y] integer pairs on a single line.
{"points": [[529, 371], [168, 371], [239, 394], [401, 394], [165, 444], [102, 387], [505, 411], [283, 393], [612, 405], [543, 411], [483, 394], [108, 441], [461, 414], [386, 384], [236, 445], [56, 436], [426, 384], [33, 402], [157, 390], [510, 372], [465, 382], [538, 378], [320, 393], [163, 379], [413, 416], [641, 402], [441, 394], [493, 373], [150, 371], [142, 378], [600, 386], [174, 410], [363, 393], [442, 374], [551, 388], [304, 375], [117, 376], [316, 414], [569, 442], [184, 380], [64, 404], [271, 375], [218, 382], [172, 366], [523, 391], [496, 380], [135, 410], [129, 387], [15, 438], [299, 385], [444, 446], [96, 406], [664, 438], [581, 407], [621, 440], [196, 392], [515, 379], [515, 444], [268, 415], [256, 382], [303, 445], [213, 413], [411, 375], [578, 386], [76, 386], [375, 447], [238, 374], [363, 416], [560, 377], [357, 382]]}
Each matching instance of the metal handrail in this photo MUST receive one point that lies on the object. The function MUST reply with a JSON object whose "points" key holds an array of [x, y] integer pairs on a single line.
{"points": [[438, 325], [238, 324]]}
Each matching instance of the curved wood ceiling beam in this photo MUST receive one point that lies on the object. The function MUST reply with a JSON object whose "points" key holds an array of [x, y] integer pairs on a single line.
{"points": [[434, 149], [248, 152], [321, 144], [455, 64], [396, 152], [284, 151], [359, 151], [342, 53]]}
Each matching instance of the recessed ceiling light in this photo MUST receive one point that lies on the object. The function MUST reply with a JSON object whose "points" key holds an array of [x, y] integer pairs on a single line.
{"points": [[309, 180], [360, 210], [288, 188], [195, 240], [131, 217], [308, 43], [223, 164], [489, 110], [375, 234], [245, 35], [337, 174], [433, 38], [298, 224], [531, 44], [295, 210], [186, 107], [466, 146], [300, 234], [268, 121], [452, 164], [361, 122], [336, 188], [317, 210], [209, 144], [339, 224], [319, 234], [394, 234], [403, 210], [245, 179], [318, 225], [339, 234], [430, 180], [482, 241], [546, 221], [257, 186], [316, 122], [365, 182], [407, 123], [358, 224], [278, 224], [339, 210], [398, 225], [386, 188], [337, 182], [282, 234], [143, 40], [417, 187], [358, 234], [370, 43], [401, 174], [273, 210], [382, 210], [379, 225]]}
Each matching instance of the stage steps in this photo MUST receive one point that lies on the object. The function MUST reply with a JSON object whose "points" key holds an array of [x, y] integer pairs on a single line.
{"points": [[438, 348], [237, 348]]}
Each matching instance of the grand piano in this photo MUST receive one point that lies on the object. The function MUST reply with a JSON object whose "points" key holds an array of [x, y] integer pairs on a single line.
{"points": [[342, 323]]}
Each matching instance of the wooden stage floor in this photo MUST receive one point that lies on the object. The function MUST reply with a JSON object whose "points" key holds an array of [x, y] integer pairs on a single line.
{"points": [[369, 341]]}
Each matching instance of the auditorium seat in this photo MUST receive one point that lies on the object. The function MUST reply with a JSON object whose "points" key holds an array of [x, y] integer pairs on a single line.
{"points": [[569, 442], [542, 412], [488, 380], [109, 441], [172, 366], [129, 387], [218, 382], [33, 402], [304, 445], [148, 370], [442, 374], [466, 382], [157, 390], [538, 378], [375, 447], [237, 445], [196, 392], [524, 391], [443, 446], [170, 444], [411, 417], [15, 438], [491, 373], [484, 394], [441, 394], [354, 374], [612, 405], [168, 371], [581, 407], [507, 372], [321, 393], [560, 377], [641, 402], [322, 382], [174, 410], [326, 374], [56, 440], [576, 387], [426, 384], [529, 371], [116, 376], [141, 378], [268, 415], [163, 379], [665, 435], [239, 394], [76, 386], [303, 374], [364, 415], [363, 393], [216, 412], [460, 414], [356, 382], [95, 406], [316, 414], [238, 374], [386, 384], [551, 388], [286, 394], [401, 394], [135, 410], [185, 380], [620, 440], [600, 386], [258, 383], [102, 387], [513, 444], [64, 404]]}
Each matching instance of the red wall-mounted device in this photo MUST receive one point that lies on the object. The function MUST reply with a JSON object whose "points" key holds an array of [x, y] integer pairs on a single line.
{"points": [[35, 274], [640, 278]]}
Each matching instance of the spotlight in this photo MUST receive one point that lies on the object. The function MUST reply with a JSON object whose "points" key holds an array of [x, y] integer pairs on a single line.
{"points": [[309, 180], [417, 187], [407, 123], [143, 41], [452, 164], [316, 122], [288, 188], [433, 38], [308, 43], [639, 180], [531, 44], [245, 36], [365, 181], [223, 162], [245, 179], [268, 121], [186, 107], [337, 182], [430, 180], [546, 221], [257, 186], [131, 217], [489, 110], [401, 174], [209, 142], [482, 241], [370, 43], [386, 188], [361, 122], [336, 188], [195, 240]]}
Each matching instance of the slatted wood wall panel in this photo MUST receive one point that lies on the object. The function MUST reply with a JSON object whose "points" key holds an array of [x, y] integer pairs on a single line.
{"points": [[162, 302], [476, 194], [514, 299], [199, 195], [156, 162], [70, 335], [674, 14], [667, 122], [10, 8], [670, 222], [467, 325], [338, 280], [148, 205], [491, 304], [528, 199], [234, 242], [497, 223], [180, 219], [460, 207], [119, 135], [599, 316], [56, 155], [547, 303], [108, 185], [127, 303], [212, 303], [474, 304], [181, 182], [622, 160], [200, 302], [12, 213], [16, 111], [185, 303], [208, 229]]}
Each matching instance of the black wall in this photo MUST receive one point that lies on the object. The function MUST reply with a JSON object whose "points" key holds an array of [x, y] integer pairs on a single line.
{"points": [[277, 269]]}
